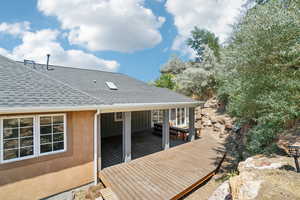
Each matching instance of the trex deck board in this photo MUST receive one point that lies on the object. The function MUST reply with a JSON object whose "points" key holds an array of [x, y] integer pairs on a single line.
{"points": [[162, 175]]}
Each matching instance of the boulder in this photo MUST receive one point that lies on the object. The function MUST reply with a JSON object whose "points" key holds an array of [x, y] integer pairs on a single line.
{"points": [[260, 162], [246, 186], [268, 184], [222, 192], [263, 178]]}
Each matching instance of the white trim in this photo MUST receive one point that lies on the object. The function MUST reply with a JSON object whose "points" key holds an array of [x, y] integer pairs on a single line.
{"points": [[36, 137], [103, 108], [39, 134]]}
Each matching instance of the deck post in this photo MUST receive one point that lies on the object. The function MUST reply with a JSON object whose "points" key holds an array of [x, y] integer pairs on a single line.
{"points": [[191, 123], [166, 130], [126, 136], [96, 146]]}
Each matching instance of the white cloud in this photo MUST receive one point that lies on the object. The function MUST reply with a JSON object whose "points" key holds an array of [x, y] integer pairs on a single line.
{"points": [[118, 25], [214, 15], [14, 28], [36, 45]]}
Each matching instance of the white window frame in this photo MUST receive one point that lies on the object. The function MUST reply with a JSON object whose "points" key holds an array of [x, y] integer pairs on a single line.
{"points": [[36, 137], [177, 120], [2, 138], [39, 135], [118, 119]]}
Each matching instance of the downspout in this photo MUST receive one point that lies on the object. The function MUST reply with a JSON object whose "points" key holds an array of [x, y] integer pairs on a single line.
{"points": [[96, 147]]}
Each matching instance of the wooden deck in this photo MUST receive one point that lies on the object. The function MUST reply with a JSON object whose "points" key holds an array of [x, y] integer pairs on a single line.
{"points": [[162, 175]]}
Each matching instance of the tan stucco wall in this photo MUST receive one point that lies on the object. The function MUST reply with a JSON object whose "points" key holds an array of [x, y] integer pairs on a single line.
{"points": [[50, 174]]}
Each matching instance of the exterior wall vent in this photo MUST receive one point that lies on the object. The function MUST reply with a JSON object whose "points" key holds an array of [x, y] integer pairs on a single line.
{"points": [[111, 85]]}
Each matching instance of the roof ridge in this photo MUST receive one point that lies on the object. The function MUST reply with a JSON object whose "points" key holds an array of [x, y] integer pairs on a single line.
{"points": [[78, 68], [59, 81]]}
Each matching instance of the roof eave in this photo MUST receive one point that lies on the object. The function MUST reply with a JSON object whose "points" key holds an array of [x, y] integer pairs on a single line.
{"points": [[103, 108]]}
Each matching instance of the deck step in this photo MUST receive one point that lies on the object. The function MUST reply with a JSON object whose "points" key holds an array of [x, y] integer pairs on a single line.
{"points": [[108, 194]]}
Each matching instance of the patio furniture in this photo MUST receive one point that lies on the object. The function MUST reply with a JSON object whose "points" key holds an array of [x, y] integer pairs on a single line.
{"points": [[176, 132]]}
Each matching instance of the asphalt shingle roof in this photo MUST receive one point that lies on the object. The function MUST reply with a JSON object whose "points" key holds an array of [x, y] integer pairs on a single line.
{"points": [[129, 90], [23, 86]]}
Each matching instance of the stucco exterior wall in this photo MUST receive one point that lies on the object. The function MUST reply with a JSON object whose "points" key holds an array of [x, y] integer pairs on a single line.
{"points": [[51, 174]]}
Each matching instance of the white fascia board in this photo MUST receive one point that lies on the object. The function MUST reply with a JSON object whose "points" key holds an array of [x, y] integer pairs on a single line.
{"points": [[146, 106], [103, 108]]}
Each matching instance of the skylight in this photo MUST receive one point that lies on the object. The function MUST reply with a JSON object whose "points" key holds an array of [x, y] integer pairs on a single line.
{"points": [[111, 85]]}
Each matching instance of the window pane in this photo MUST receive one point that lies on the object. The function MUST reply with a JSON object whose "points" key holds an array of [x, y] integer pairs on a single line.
{"points": [[10, 154], [26, 132], [28, 141], [119, 115], [46, 130], [26, 122], [58, 137], [58, 128], [178, 116], [10, 123], [173, 114], [58, 119], [58, 146], [46, 148], [45, 120], [10, 133], [27, 151], [46, 139], [187, 116], [11, 144], [182, 116], [51, 133]]}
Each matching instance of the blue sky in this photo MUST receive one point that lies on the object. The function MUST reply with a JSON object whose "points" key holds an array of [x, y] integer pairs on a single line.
{"points": [[135, 37]]}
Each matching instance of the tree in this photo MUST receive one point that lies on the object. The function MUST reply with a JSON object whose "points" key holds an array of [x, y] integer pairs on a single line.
{"points": [[165, 81], [174, 66], [199, 78], [201, 37], [263, 86]]}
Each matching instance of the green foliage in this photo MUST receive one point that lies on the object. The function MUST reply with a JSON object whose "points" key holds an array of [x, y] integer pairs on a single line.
{"points": [[202, 37], [199, 78], [165, 81], [262, 80], [174, 66]]}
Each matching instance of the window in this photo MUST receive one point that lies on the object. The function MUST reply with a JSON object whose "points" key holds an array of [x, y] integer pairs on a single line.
{"points": [[118, 116], [173, 116], [52, 133], [181, 116], [30, 136], [111, 85], [17, 138], [157, 116], [178, 116]]}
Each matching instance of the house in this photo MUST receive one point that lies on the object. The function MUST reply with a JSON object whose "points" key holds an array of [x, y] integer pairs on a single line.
{"points": [[53, 118]]}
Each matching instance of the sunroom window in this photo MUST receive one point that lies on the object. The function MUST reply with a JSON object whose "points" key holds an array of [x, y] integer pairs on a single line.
{"points": [[157, 116], [18, 138], [178, 116]]}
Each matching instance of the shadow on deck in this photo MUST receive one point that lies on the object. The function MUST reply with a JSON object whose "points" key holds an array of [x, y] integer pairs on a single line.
{"points": [[142, 143]]}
